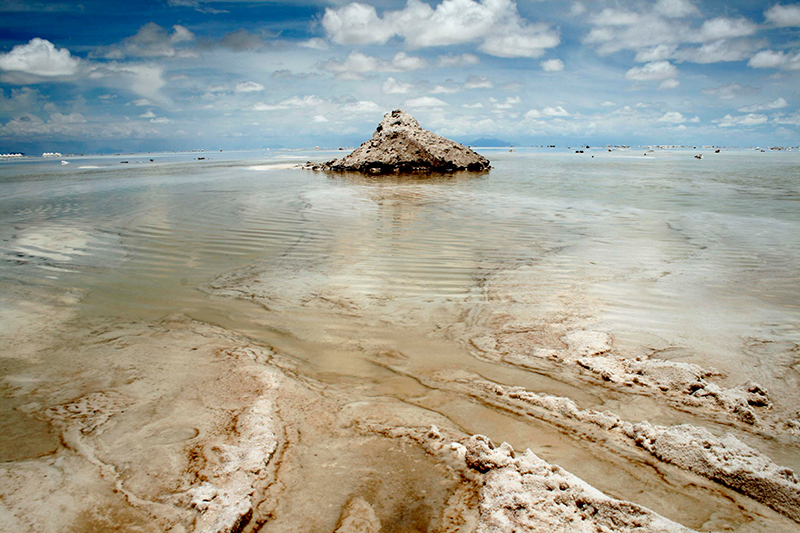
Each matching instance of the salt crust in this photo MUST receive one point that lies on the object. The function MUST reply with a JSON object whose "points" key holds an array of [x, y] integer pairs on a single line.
{"points": [[592, 350], [724, 459]]}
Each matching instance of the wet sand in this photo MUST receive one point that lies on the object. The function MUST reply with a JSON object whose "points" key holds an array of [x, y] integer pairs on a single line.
{"points": [[328, 372]]}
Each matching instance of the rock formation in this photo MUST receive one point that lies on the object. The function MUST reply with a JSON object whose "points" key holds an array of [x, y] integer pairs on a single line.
{"points": [[401, 145]]}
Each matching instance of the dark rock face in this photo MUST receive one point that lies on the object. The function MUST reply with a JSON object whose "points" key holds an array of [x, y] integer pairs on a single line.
{"points": [[401, 145]]}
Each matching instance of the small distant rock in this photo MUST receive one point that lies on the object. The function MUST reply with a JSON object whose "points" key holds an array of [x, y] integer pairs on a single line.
{"points": [[401, 145]]}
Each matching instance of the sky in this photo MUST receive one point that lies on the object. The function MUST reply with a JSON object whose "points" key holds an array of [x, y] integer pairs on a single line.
{"points": [[98, 76]]}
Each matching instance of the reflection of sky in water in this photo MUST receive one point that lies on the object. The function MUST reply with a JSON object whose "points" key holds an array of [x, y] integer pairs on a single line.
{"points": [[668, 243], [685, 259]]}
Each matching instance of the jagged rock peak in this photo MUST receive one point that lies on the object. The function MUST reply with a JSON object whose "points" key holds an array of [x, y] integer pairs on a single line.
{"points": [[400, 144]]}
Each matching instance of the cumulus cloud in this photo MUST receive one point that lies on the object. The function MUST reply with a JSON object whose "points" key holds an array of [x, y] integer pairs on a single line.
{"points": [[460, 60], [149, 114], [666, 33], [780, 103], [676, 8], [548, 111], [445, 89], [750, 119], [725, 28], [773, 59], [241, 40], [143, 79], [495, 24], [556, 111], [552, 65], [509, 102], [363, 106], [357, 64], [476, 105], [40, 58], [478, 82], [672, 117], [669, 84], [71, 118], [315, 44], [654, 53], [319, 118], [577, 9], [729, 91], [783, 16], [654, 71], [425, 102], [718, 51], [392, 86], [248, 87], [151, 41], [290, 103]]}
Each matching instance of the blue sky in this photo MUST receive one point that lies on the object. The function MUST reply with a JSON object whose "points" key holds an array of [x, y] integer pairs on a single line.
{"points": [[181, 74]]}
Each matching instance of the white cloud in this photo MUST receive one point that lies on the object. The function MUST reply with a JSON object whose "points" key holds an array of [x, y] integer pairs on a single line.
{"points": [[424, 102], [141, 78], [72, 118], [717, 51], [669, 84], [445, 89], [41, 58], [403, 62], [552, 65], [780, 103], [364, 106], [476, 105], [746, 120], [249, 87], [729, 91], [142, 102], [557, 111], [783, 16], [657, 70], [577, 9], [392, 86], [496, 24], [160, 120], [290, 103], [357, 63], [477, 82], [152, 41], [676, 8], [460, 60], [509, 102], [773, 59], [663, 33], [608, 103], [655, 53], [356, 24], [672, 117], [315, 44], [726, 28], [319, 118], [531, 41], [149, 114], [793, 119]]}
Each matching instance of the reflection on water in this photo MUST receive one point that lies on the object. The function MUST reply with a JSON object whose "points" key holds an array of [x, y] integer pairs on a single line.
{"points": [[377, 282]]}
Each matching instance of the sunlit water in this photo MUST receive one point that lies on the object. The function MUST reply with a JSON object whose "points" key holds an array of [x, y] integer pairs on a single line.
{"points": [[697, 258]]}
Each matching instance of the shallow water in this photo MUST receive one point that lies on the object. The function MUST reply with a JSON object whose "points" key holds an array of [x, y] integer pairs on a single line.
{"points": [[377, 284]]}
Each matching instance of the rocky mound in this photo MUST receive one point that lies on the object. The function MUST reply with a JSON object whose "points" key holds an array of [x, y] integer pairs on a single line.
{"points": [[401, 145]]}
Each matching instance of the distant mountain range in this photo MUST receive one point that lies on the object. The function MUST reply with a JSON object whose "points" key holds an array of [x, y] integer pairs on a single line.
{"points": [[488, 141]]}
